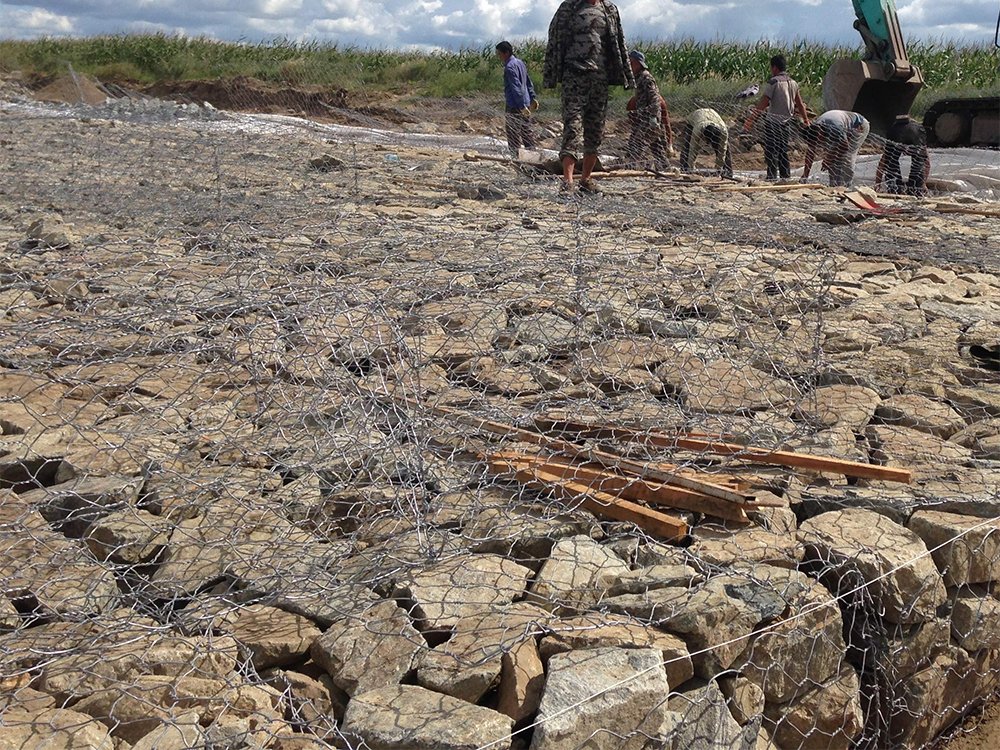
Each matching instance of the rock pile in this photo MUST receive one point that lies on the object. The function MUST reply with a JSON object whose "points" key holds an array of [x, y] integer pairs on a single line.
{"points": [[211, 535]]}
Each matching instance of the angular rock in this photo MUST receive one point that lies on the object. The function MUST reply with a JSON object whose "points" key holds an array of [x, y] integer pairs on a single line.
{"points": [[470, 663], [628, 685], [130, 537], [374, 650], [275, 638], [975, 620], [804, 649], [851, 547], [181, 733], [833, 405], [722, 387], [526, 537], [445, 593], [577, 573], [966, 549], [920, 413], [522, 679], [926, 455], [744, 698], [827, 717], [312, 701], [702, 720], [654, 577], [907, 649], [53, 729], [407, 716], [596, 630], [721, 547], [550, 331], [982, 438]]}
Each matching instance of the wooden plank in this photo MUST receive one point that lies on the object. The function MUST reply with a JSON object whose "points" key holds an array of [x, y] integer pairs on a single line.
{"points": [[767, 188], [786, 458], [711, 444], [634, 488], [954, 208], [604, 505]]}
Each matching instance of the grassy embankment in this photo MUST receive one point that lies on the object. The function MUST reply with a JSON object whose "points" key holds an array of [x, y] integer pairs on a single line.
{"points": [[687, 70]]}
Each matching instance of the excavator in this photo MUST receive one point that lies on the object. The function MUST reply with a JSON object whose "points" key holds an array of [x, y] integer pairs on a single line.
{"points": [[884, 85]]}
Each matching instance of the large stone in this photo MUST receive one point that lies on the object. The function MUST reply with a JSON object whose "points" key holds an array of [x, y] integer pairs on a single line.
{"points": [[744, 698], [934, 698], [828, 717], [470, 663], [134, 710], [906, 649], [602, 698], [374, 650], [312, 701], [275, 638], [130, 537], [411, 717], [924, 454], [965, 548], [53, 729], [722, 387], [835, 405], [702, 720], [550, 331], [722, 548], [596, 630], [975, 620], [805, 648], [577, 574], [853, 547], [522, 679], [445, 593], [181, 733], [920, 413], [982, 438]]}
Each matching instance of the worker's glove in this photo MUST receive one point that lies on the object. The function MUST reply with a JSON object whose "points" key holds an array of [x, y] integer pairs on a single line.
{"points": [[534, 105], [526, 112], [653, 123], [671, 152]]}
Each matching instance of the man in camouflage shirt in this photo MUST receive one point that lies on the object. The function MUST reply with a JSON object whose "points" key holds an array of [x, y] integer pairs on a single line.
{"points": [[648, 115], [586, 53]]}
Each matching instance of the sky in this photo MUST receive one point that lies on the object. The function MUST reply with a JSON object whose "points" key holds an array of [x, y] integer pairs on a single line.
{"points": [[451, 24]]}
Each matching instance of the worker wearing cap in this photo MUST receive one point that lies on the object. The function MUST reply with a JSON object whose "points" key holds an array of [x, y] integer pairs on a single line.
{"points": [[586, 53], [649, 116], [781, 101], [706, 128]]}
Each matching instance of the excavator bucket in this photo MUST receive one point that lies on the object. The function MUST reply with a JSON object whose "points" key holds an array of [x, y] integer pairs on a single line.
{"points": [[865, 87]]}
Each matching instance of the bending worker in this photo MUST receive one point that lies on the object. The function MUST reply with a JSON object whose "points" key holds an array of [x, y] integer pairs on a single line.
{"points": [[647, 111], [706, 128], [906, 137], [838, 135]]}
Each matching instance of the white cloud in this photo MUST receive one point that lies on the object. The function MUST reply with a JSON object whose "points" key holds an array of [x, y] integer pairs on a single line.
{"points": [[474, 23]]}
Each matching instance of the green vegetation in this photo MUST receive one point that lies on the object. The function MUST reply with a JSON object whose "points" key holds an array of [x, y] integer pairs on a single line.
{"points": [[699, 66]]}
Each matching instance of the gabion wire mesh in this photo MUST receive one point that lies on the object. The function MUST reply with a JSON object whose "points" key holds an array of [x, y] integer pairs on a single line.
{"points": [[259, 373]]}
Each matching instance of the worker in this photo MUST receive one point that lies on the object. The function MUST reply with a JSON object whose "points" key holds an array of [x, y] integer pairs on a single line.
{"points": [[781, 101], [905, 137], [519, 93], [838, 135], [586, 53], [705, 127], [648, 115]]}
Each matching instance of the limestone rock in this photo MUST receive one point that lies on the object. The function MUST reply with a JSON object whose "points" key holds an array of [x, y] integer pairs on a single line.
{"points": [[408, 716], [53, 729], [522, 679], [744, 698], [548, 330], [180, 733], [445, 593], [828, 717], [921, 452], [653, 577], [853, 546], [982, 438], [920, 413], [597, 630], [312, 700], [966, 549], [130, 537], [576, 574], [805, 648], [702, 720], [275, 637], [471, 662], [975, 620], [721, 547], [629, 686], [374, 650], [833, 405], [721, 387]]}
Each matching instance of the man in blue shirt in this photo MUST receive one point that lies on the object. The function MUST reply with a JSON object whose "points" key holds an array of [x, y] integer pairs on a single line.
{"points": [[519, 93]]}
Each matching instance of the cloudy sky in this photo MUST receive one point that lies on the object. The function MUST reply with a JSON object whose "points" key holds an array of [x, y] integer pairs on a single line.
{"points": [[456, 23]]}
